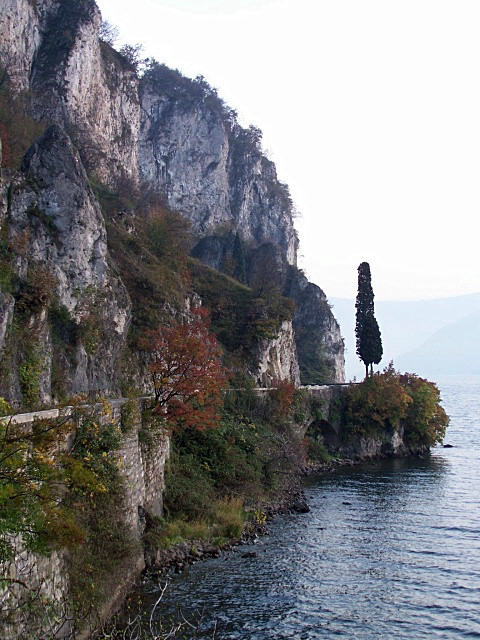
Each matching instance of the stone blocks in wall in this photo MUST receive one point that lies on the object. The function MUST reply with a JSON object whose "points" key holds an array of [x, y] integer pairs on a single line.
{"points": [[142, 471]]}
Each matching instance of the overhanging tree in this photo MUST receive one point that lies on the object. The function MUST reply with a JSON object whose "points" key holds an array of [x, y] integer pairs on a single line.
{"points": [[187, 373], [367, 331]]}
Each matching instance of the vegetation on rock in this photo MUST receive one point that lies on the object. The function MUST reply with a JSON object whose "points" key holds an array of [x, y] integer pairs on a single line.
{"points": [[388, 400], [240, 319], [60, 489], [187, 375], [18, 129], [214, 475]]}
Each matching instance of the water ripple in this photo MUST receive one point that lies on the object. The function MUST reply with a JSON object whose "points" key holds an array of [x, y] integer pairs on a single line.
{"points": [[402, 560]]}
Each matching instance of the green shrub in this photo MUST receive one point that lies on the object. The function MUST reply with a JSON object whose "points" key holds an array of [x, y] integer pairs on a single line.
{"points": [[225, 522], [29, 373], [232, 457], [169, 236], [5, 408], [426, 420], [317, 451], [64, 328], [166, 534], [377, 403], [239, 318], [189, 491], [18, 130], [385, 400], [229, 518], [212, 474], [36, 291], [130, 415], [96, 493], [150, 280], [7, 273]]}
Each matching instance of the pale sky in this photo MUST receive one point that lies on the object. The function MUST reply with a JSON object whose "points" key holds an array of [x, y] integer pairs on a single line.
{"points": [[370, 110]]}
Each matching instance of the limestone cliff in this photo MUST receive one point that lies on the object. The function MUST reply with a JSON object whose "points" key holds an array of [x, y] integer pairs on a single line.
{"points": [[319, 341], [57, 237], [52, 47], [278, 358], [210, 168], [172, 132], [173, 136]]}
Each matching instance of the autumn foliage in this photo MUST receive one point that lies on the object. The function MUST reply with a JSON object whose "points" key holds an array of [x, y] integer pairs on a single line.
{"points": [[379, 400], [426, 420], [389, 399], [281, 397], [187, 373]]}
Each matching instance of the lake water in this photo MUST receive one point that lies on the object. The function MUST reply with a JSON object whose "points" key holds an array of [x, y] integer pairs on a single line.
{"points": [[387, 551]]}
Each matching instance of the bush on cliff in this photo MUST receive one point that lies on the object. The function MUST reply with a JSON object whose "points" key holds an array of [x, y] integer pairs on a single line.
{"points": [[240, 318], [187, 374], [377, 403], [213, 473], [60, 488], [18, 130], [425, 421], [150, 247], [386, 400]]}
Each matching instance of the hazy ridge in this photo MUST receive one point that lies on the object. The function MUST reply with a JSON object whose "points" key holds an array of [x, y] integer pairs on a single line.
{"points": [[429, 337]]}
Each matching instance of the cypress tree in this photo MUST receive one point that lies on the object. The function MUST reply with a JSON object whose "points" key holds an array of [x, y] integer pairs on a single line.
{"points": [[367, 331]]}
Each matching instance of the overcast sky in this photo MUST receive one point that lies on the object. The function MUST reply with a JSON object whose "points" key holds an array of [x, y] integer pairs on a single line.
{"points": [[371, 111]]}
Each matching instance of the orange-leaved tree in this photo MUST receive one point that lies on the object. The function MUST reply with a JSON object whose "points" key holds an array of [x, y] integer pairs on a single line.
{"points": [[281, 397], [187, 372]]}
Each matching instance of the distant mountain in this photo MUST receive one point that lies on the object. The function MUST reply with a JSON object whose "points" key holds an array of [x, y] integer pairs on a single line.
{"points": [[405, 326], [452, 350]]}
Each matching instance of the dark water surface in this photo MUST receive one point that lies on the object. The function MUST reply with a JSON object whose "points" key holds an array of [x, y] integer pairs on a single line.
{"points": [[401, 560]]}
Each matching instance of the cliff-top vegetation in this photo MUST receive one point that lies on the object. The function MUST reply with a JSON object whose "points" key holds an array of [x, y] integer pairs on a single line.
{"points": [[388, 400]]}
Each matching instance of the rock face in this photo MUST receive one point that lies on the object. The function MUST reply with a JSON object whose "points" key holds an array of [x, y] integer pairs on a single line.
{"points": [[173, 134], [52, 47], [22, 25], [278, 358], [210, 168], [59, 232], [317, 337], [319, 341], [327, 425]]}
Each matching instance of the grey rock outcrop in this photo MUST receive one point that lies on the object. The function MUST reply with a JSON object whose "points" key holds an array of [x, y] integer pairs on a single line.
{"points": [[210, 168], [278, 358], [52, 47], [165, 130], [319, 341], [22, 23], [57, 226]]}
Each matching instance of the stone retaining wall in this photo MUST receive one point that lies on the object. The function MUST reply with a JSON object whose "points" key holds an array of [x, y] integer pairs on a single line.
{"points": [[143, 474]]}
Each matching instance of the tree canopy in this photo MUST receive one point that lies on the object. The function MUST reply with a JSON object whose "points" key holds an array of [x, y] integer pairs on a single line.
{"points": [[187, 373]]}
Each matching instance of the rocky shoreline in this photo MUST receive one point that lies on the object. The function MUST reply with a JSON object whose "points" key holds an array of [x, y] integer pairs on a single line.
{"points": [[160, 563], [290, 499]]}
